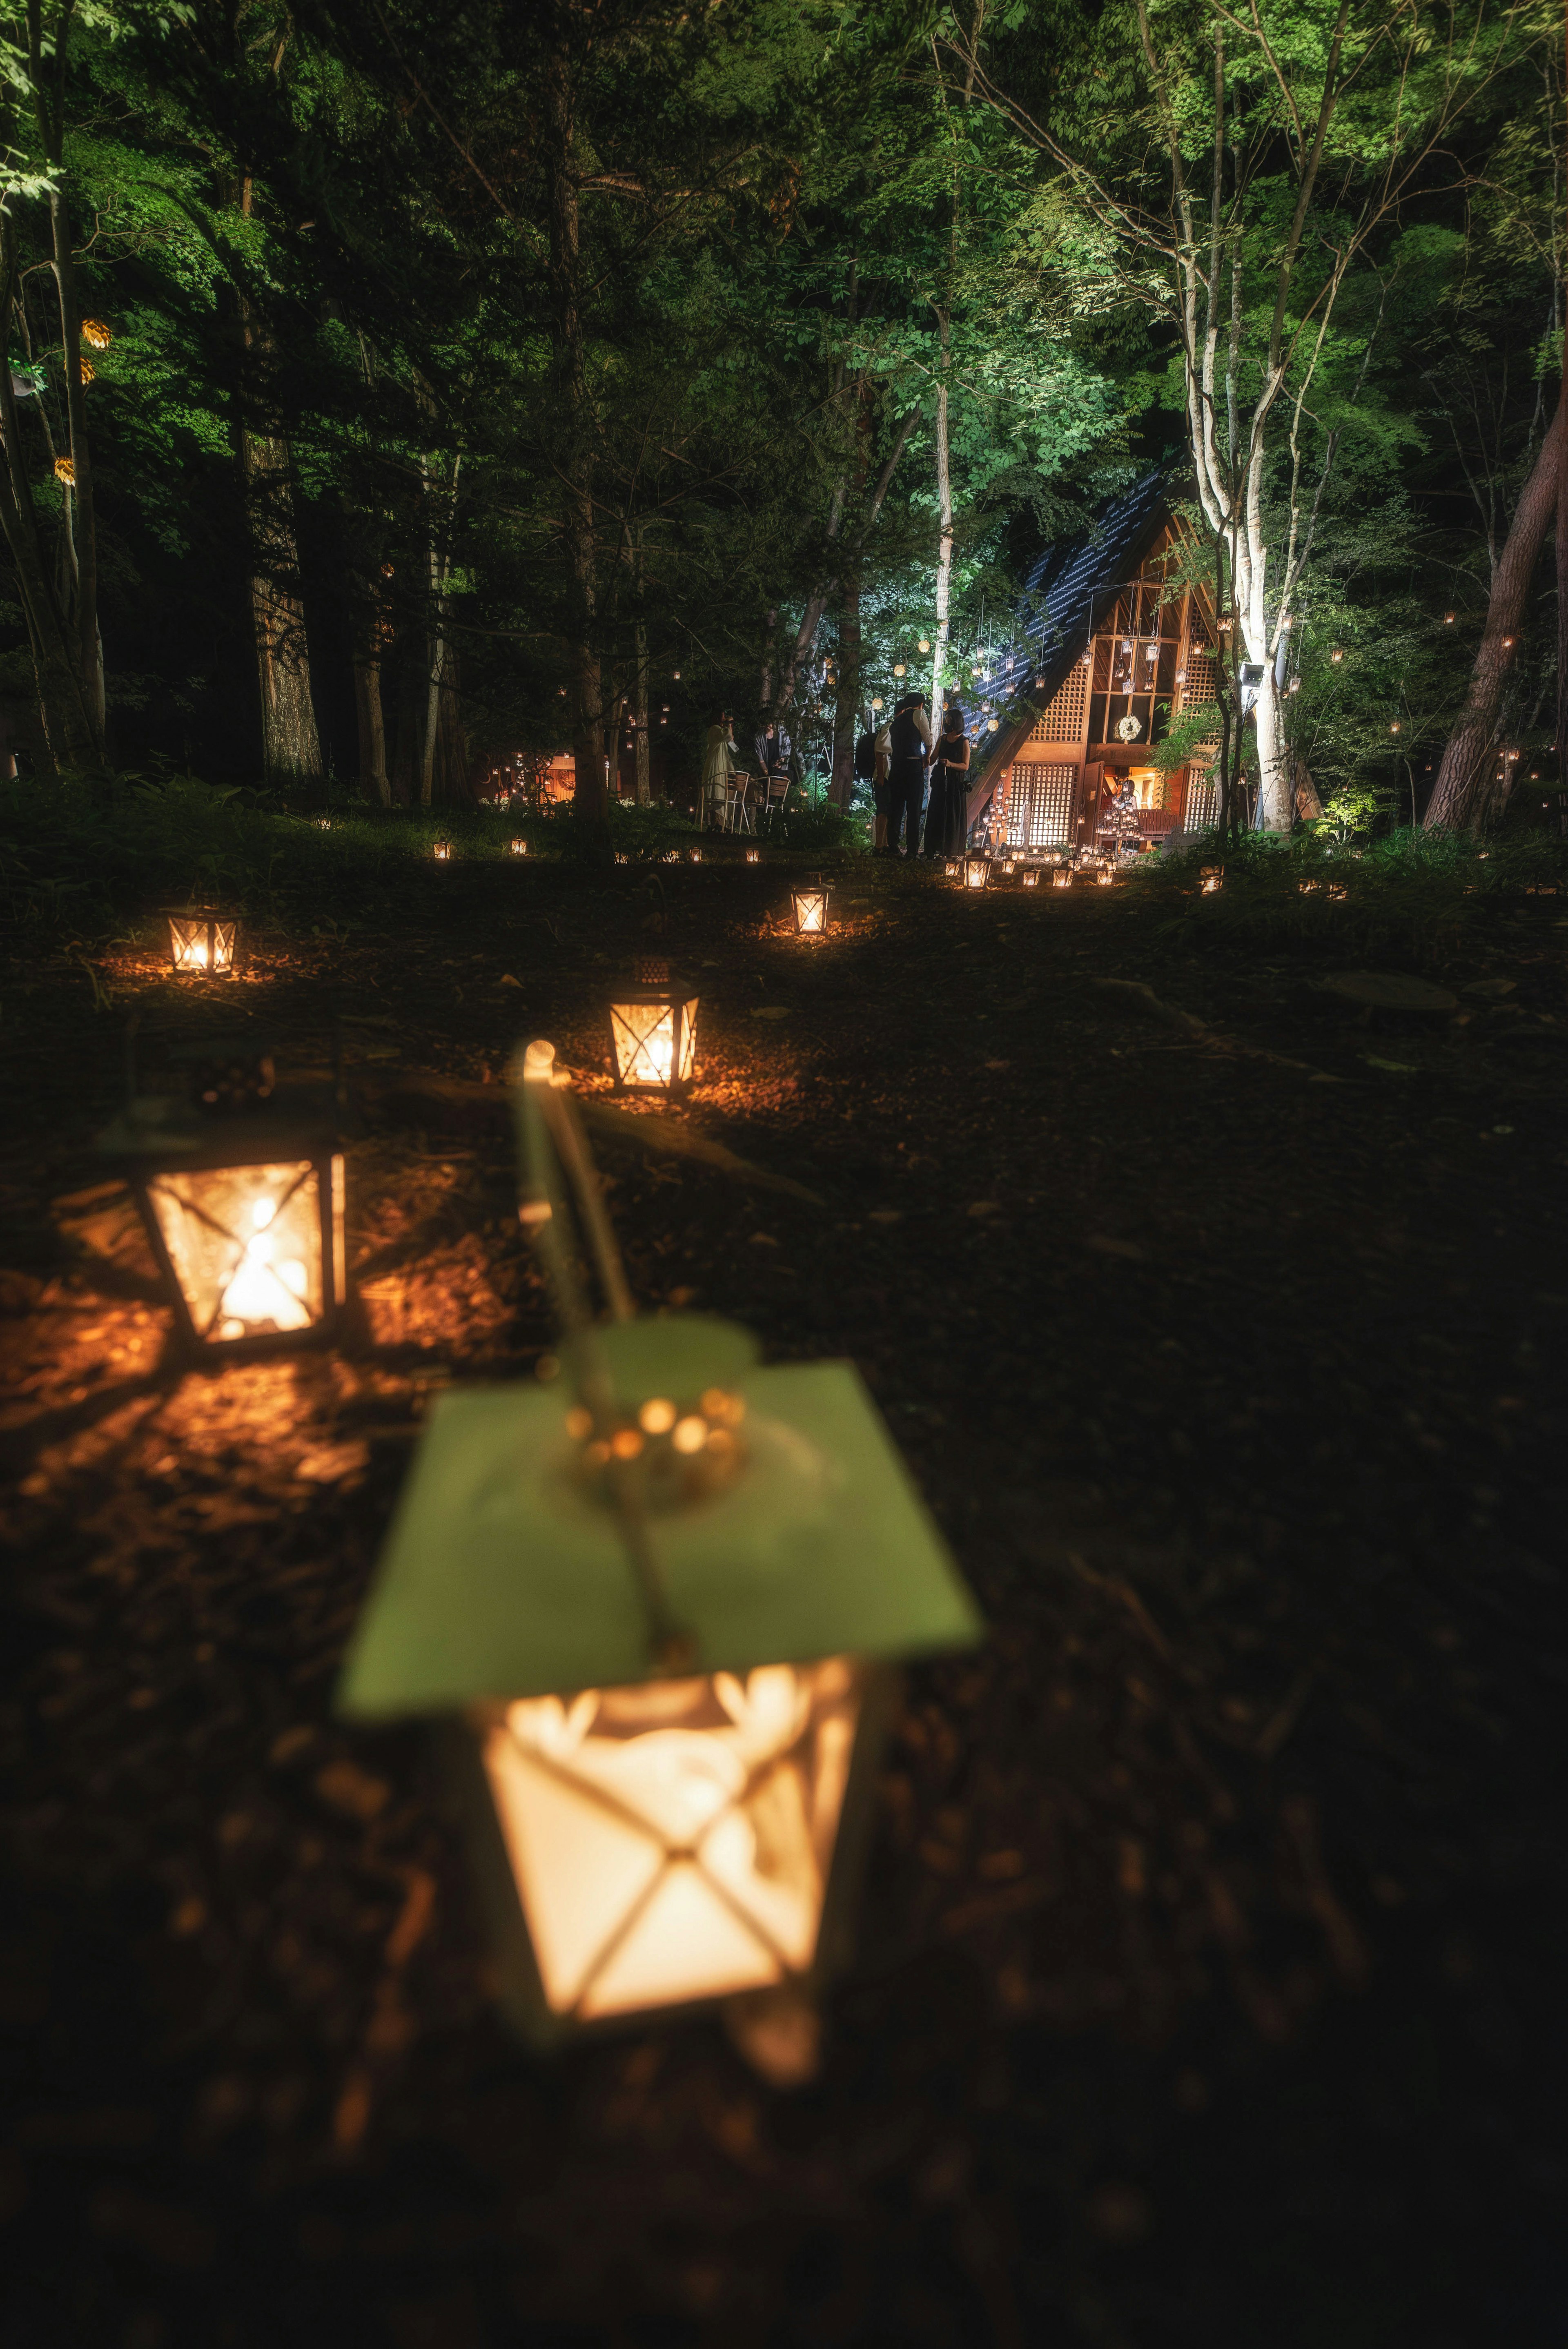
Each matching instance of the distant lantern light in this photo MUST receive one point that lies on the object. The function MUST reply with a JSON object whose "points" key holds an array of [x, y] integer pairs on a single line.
{"points": [[1032, 878], [1506, 644], [1210, 879], [1062, 878], [754, 856], [877, 703], [1180, 677], [1395, 727], [652, 1033], [925, 644], [898, 669], [810, 907], [992, 724], [66, 471], [202, 944], [676, 674], [1337, 655], [85, 370], [441, 850], [519, 847], [1039, 685], [97, 333], [952, 869], [1448, 619], [1105, 876]]}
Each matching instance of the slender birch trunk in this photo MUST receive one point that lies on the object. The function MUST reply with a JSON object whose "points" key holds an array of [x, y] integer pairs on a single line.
{"points": [[90, 643], [944, 524]]}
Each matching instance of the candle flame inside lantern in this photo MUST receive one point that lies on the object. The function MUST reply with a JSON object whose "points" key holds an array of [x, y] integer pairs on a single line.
{"points": [[202, 945], [672, 1840], [245, 1245], [644, 1035]]}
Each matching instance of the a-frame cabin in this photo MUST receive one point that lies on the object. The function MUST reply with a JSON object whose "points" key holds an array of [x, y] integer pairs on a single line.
{"points": [[1107, 648]]}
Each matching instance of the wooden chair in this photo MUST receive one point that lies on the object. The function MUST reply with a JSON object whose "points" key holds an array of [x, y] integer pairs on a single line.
{"points": [[776, 791], [737, 814]]}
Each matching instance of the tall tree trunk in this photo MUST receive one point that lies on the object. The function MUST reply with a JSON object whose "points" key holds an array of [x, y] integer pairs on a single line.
{"points": [[291, 749], [369, 624], [68, 732], [769, 631], [943, 525], [846, 712], [89, 645], [439, 518], [1466, 793], [589, 799], [645, 774]]}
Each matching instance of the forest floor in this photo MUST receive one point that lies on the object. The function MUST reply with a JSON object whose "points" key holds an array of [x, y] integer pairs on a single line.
{"points": [[1210, 1982]]}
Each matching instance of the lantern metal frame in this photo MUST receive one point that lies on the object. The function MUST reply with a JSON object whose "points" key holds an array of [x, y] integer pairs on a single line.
{"points": [[157, 1141], [532, 1580], [976, 872], [218, 934], [654, 988], [817, 895]]}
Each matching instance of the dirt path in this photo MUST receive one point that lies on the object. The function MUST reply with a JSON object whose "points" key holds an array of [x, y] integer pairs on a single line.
{"points": [[1210, 1977]]}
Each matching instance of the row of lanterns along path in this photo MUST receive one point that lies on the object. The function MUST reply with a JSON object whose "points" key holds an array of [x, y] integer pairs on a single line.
{"points": [[653, 1602]]}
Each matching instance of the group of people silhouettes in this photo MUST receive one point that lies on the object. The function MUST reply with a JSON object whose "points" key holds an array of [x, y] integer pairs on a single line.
{"points": [[896, 759]]}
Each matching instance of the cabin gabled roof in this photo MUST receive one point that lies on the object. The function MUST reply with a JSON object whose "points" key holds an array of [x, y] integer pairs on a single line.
{"points": [[1065, 596]]}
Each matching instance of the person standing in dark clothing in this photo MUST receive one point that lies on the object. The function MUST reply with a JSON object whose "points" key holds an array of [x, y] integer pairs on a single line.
{"points": [[944, 819], [908, 747]]}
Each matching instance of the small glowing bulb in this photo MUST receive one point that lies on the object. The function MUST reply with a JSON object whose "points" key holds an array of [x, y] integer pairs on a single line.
{"points": [[690, 1434], [657, 1416], [925, 644], [579, 1422], [626, 1444]]}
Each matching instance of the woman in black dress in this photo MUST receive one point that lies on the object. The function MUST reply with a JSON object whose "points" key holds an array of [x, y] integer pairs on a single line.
{"points": [[945, 829]]}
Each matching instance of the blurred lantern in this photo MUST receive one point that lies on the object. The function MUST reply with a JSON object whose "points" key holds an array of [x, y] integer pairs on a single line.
{"points": [[201, 944], [876, 704], [241, 1192], [1395, 728], [97, 333], [898, 669], [519, 847], [1032, 878], [658, 1614], [1448, 619], [1105, 876], [991, 725], [695, 855], [952, 868], [1508, 644], [1009, 865], [925, 644], [1062, 878], [811, 910], [754, 856], [1337, 656], [977, 871], [442, 852], [1210, 878], [66, 471], [652, 1033], [675, 673]]}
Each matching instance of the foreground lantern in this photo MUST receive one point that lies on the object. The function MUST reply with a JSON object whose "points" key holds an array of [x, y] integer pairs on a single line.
{"points": [[1210, 879], [201, 944], [977, 871], [658, 1614], [810, 909], [241, 1192], [652, 1033]]}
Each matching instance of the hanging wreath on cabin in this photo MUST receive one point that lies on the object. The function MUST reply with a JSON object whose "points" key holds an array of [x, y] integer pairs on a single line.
{"points": [[1129, 727]]}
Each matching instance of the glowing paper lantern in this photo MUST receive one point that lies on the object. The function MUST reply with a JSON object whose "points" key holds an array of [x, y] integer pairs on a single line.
{"points": [[658, 1615], [925, 644], [1062, 878], [652, 1033], [201, 944], [244, 1211], [811, 910]]}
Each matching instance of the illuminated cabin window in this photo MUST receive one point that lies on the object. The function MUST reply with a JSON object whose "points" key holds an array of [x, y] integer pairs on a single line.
{"points": [[673, 1840], [1040, 807], [1150, 785], [245, 1243]]}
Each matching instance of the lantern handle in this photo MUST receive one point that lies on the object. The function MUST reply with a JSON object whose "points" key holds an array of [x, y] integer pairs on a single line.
{"points": [[554, 1143]]}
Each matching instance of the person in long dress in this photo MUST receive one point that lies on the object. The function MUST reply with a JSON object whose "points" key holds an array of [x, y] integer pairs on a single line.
{"points": [[945, 824], [717, 766]]}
